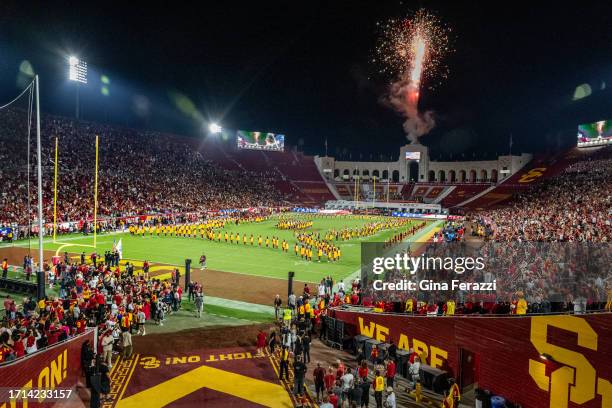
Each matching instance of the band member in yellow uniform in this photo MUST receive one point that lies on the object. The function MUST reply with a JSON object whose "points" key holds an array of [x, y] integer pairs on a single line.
{"points": [[267, 242], [244, 239], [454, 392], [259, 240], [252, 239], [226, 237], [319, 254]]}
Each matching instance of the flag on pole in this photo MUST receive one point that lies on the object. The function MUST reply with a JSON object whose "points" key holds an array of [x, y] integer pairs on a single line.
{"points": [[119, 248]]}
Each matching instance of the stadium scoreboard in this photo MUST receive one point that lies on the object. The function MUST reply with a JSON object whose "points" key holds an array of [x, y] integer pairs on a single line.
{"points": [[260, 141]]}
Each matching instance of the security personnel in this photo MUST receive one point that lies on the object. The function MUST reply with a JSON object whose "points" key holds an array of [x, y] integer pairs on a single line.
{"points": [[287, 316], [379, 386]]}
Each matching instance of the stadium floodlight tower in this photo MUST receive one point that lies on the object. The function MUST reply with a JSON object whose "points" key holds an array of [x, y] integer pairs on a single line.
{"points": [[214, 128], [77, 72]]}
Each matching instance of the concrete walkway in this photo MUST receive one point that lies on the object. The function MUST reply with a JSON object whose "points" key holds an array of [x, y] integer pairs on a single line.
{"points": [[236, 304]]}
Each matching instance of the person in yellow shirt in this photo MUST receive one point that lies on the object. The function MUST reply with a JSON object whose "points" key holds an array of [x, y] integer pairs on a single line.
{"points": [[244, 239], [267, 242], [450, 307], [237, 238], [252, 240], [418, 392], [226, 237], [259, 240], [521, 304], [319, 254], [379, 387], [409, 306]]}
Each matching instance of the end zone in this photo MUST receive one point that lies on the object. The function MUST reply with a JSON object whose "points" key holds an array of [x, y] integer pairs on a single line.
{"points": [[223, 377]]}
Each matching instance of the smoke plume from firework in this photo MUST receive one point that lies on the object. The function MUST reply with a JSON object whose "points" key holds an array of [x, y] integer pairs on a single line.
{"points": [[411, 50]]}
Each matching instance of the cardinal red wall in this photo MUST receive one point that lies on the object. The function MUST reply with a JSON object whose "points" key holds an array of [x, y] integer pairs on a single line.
{"points": [[58, 366], [503, 344]]}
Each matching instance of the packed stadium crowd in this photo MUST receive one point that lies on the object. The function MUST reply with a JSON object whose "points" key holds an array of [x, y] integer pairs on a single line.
{"points": [[139, 173], [574, 205]]}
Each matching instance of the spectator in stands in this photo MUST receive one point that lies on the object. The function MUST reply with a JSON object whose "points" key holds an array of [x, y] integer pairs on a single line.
{"points": [[165, 174]]}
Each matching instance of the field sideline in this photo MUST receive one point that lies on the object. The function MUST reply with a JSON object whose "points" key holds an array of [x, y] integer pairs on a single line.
{"points": [[238, 258]]}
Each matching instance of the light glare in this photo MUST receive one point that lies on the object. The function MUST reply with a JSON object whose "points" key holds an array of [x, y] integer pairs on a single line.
{"points": [[214, 128]]}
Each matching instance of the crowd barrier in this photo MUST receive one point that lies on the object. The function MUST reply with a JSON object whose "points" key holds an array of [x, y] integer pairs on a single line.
{"points": [[56, 367]]}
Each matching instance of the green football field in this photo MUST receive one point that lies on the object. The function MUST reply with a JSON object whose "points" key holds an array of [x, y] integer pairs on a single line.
{"points": [[239, 258]]}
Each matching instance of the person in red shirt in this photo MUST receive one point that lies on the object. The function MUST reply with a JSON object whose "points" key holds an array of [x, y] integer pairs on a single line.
{"points": [[362, 372], [329, 379], [100, 298], [340, 370], [18, 345], [333, 399], [319, 380], [261, 342], [81, 324], [52, 336], [374, 355], [391, 369]]}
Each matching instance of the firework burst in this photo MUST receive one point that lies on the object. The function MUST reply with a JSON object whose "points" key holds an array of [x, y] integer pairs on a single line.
{"points": [[413, 48]]}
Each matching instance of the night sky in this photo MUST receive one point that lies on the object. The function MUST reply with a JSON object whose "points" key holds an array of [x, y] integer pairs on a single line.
{"points": [[304, 69]]}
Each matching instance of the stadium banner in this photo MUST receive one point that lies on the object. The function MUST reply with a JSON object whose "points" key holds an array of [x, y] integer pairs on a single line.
{"points": [[56, 368], [260, 141], [417, 215], [537, 361], [305, 210]]}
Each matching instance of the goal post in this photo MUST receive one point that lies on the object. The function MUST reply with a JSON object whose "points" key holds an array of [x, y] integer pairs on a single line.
{"points": [[64, 244]]}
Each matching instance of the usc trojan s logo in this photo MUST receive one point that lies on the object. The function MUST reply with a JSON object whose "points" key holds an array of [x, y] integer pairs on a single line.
{"points": [[532, 175], [575, 380]]}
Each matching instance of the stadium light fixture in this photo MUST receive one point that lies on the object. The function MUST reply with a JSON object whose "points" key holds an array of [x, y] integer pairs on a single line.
{"points": [[77, 73], [214, 128], [77, 70]]}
